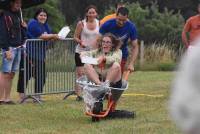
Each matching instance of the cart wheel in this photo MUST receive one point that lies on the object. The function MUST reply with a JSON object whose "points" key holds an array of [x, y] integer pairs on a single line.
{"points": [[95, 119], [98, 107]]}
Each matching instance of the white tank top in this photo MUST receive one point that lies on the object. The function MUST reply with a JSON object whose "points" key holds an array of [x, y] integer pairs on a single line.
{"points": [[88, 37]]}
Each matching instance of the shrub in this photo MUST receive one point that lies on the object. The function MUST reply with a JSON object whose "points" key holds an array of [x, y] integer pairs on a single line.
{"points": [[153, 25], [158, 57]]}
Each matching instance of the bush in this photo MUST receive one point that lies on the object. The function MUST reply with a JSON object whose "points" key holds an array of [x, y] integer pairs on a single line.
{"points": [[167, 67], [158, 57], [153, 25]]}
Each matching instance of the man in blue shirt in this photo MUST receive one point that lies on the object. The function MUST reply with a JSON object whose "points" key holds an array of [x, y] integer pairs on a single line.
{"points": [[124, 29]]}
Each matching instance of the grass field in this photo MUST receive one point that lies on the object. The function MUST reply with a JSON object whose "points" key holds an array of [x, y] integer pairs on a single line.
{"points": [[147, 95]]}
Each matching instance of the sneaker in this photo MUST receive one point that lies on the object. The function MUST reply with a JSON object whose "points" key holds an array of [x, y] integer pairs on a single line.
{"points": [[105, 84], [79, 98]]}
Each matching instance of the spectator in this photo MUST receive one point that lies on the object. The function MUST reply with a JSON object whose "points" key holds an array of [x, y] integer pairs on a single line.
{"points": [[112, 16], [85, 35], [10, 42], [124, 29], [108, 71], [191, 29], [38, 28]]}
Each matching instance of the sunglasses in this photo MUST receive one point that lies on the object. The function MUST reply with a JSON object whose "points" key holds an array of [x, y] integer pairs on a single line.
{"points": [[107, 42]]}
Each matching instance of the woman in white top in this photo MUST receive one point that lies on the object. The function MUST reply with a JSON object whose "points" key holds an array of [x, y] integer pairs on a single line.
{"points": [[85, 35]]}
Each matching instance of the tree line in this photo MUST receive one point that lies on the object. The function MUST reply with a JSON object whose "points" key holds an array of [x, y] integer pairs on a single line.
{"points": [[74, 9], [156, 20]]}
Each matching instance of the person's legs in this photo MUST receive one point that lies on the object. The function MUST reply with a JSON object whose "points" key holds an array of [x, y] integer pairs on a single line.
{"points": [[25, 73], [92, 74], [40, 76], [114, 76], [114, 73], [8, 77], [6, 67], [2, 89], [79, 72], [39, 81], [20, 83], [16, 54]]}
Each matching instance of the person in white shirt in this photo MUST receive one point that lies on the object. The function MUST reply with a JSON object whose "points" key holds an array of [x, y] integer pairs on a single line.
{"points": [[85, 35]]}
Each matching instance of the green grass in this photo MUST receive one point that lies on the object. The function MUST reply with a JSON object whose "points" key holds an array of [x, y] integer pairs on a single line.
{"points": [[56, 116]]}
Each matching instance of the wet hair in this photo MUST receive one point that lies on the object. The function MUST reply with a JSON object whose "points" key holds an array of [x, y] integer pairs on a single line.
{"points": [[38, 12], [116, 42], [88, 8], [123, 11]]}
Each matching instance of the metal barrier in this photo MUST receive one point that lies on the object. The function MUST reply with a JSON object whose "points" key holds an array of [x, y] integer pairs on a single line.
{"points": [[49, 67]]}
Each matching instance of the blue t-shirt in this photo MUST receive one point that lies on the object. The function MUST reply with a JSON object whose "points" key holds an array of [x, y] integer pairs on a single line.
{"points": [[35, 30], [128, 31]]}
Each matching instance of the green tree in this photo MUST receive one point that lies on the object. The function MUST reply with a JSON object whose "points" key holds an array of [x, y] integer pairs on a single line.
{"points": [[75, 9]]}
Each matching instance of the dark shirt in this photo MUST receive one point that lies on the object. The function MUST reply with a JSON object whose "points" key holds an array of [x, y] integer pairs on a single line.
{"points": [[10, 27]]}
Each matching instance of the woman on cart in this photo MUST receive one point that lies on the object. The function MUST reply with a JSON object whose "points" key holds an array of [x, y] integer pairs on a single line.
{"points": [[107, 72]]}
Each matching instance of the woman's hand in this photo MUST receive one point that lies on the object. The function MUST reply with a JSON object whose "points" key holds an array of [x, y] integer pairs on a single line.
{"points": [[8, 55], [101, 59], [23, 24], [82, 44], [82, 54], [49, 37], [130, 67], [55, 37]]}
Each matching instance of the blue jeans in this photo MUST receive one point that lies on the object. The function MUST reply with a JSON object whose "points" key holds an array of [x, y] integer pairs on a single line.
{"points": [[12, 65]]}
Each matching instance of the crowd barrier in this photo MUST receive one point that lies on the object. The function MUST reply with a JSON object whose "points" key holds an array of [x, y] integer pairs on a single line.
{"points": [[49, 67]]}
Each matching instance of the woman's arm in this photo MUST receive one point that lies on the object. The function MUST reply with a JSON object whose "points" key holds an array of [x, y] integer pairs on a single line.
{"points": [[185, 32], [49, 37], [77, 34]]}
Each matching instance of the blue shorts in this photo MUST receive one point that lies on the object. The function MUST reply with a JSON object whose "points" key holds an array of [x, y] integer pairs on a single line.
{"points": [[12, 65]]}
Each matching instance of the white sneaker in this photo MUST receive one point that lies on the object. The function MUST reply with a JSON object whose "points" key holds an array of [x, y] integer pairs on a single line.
{"points": [[105, 84]]}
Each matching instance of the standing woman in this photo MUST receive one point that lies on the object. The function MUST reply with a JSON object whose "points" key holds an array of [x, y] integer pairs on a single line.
{"points": [[38, 28], [85, 35]]}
